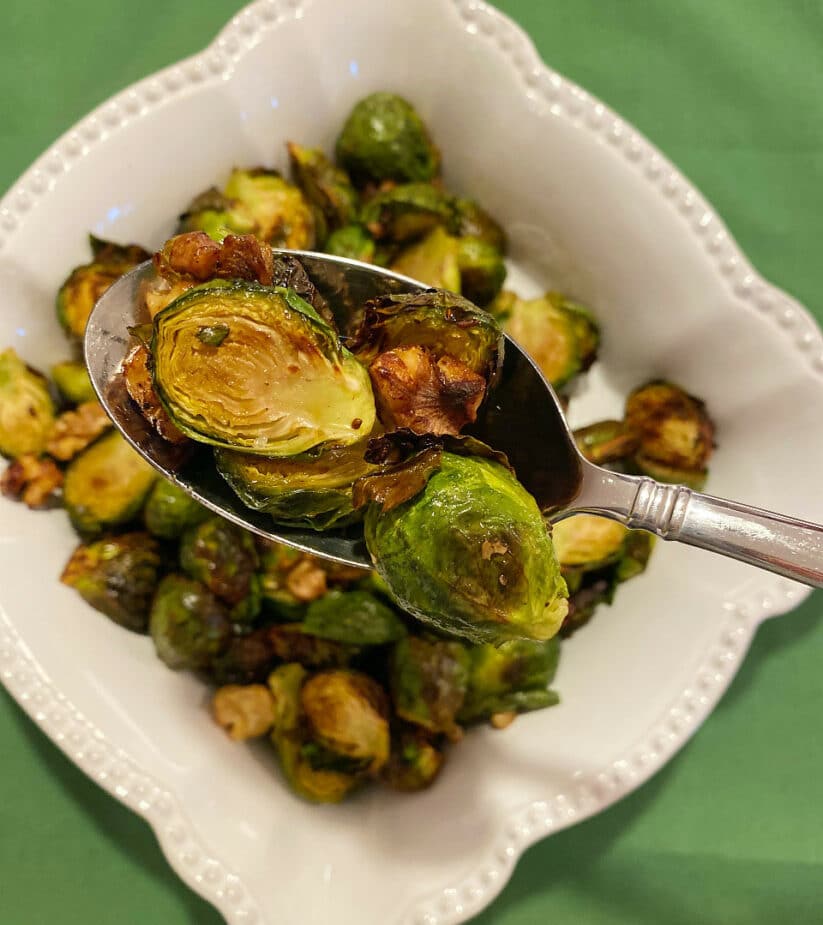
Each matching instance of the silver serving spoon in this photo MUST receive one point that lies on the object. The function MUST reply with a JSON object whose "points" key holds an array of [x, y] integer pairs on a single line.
{"points": [[522, 417]]}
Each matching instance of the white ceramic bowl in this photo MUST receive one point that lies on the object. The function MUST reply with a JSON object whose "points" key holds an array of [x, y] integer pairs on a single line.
{"points": [[592, 209]]}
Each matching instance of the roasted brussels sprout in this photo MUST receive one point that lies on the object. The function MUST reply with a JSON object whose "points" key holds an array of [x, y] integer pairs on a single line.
{"points": [[588, 541], [215, 214], [327, 187], [482, 270], [406, 212], [222, 556], [429, 680], [414, 762], [636, 552], [443, 322], [277, 385], [312, 490], [169, 511], [511, 678], [560, 336], [76, 429], [469, 220], [384, 138], [434, 261], [117, 575], [320, 784], [247, 659], [353, 617], [244, 711], [471, 555], [26, 408], [352, 241], [87, 283], [188, 624], [347, 714], [291, 643], [106, 485], [34, 480], [591, 590], [676, 434], [606, 442], [72, 381]]}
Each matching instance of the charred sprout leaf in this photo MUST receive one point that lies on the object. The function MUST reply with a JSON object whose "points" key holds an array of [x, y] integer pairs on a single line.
{"points": [[444, 322], [222, 556], [591, 591], [606, 442], [384, 138], [294, 749], [471, 555], [429, 680], [354, 617], [327, 187], [26, 408], [588, 541], [72, 381], [87, 283], [482, 270], [289, 273], [351, 241], [74, 430], [244, 711], [292, 643], [511, 678], [399, 483], [347, 714], [414, 762], [188, 624], [675, 431], [468, 219], [434, 261], [246, 660], [312, 490], [34, 480], [278, 385], [406, 212], [169, 511], [279, 212], [106, 485], [117, 575], [138, 380]]}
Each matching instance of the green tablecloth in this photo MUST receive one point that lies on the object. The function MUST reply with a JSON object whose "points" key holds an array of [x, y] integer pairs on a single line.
{"points": [[730, 831]]}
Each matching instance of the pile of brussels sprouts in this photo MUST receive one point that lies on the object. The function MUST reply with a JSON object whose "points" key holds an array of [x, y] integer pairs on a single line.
{"points": [[354, 676]]}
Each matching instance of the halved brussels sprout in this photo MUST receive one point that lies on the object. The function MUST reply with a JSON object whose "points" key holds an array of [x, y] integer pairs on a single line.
{"points": [[245, 711], [222, 556], [429, 680], [405, 212], [322, 784], [117, 576], [277, 385], [247, 659], [291, 643], [85, 284], [280, 214], [384, 138], [312, 490], [347, 714], [482, 270], [434, 261], [26, 408], [511, 678], [354, 617], [443, 322], [588, 541], [471, 554], [352, 241], [169, 511], [414, 762], [188, 624], [106, 485], [327, 187], [468, 219], [214, 213], [76, 429], [72, 381], [606, 442], [675, 431]]}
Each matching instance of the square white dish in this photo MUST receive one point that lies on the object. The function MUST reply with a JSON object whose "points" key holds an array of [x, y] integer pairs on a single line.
{"points": [[676, 297]]}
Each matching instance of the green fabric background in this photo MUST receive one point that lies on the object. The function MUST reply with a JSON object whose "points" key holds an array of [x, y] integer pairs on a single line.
{"points": [[730, 831]]}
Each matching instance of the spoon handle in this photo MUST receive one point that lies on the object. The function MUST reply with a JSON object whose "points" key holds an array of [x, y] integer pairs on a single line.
{"points": [[774, 542]]}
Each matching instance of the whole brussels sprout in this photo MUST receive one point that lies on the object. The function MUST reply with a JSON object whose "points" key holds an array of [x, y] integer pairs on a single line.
{"points": [[72, 381], [405, 212], [468, 219], [471, 555], [354, 617], [429, 680], [117, 576], [188, 625], [169, 511], [351, 241], [26, 408], [384, 138], [482, 270], [327, 187], [434, 261], [414, 762], [278, 384], [222, 556]]}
